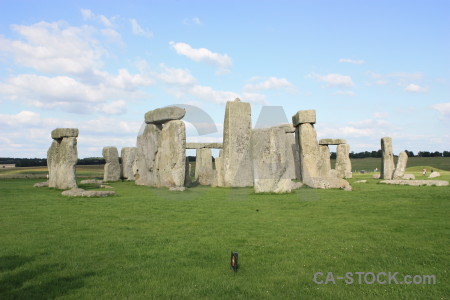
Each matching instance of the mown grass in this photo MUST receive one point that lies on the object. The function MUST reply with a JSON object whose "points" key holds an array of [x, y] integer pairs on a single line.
{"points": [[152, 243]]}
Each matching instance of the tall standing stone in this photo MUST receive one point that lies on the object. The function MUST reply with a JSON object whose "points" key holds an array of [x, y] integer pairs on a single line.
{"points": [[187, 176], [237, 164], [62, 158], [128, 155], [204, 172], [218, 174], [343, 162], [324, 162], [401, 165], [270, 161], [293, 156], [112, 167], [308, 149], [387, 159], [146, 172], [171, 155]]}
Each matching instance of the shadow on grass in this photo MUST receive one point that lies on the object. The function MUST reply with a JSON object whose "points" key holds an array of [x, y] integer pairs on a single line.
{"points": [[35, 282]]}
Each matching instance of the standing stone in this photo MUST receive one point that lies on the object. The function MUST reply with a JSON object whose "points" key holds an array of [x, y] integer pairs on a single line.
{"points": [[401, 165], [146, 172], [218, 176], [112, 167], [128, 155], [187, 176], [270, 161], [293, 156], [237, 164], [343, 163], [387, 159], [203, 167], [308, 149], [62, 158], [324, 162], [171, 155]]}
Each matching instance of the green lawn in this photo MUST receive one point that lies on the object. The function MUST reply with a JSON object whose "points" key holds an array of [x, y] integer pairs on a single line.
{"points": [[152, 243]]}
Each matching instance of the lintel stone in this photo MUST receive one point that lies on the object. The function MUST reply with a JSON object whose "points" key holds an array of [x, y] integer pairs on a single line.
{"points": [[332, 141], [204, 145], [165, 114], [64, 132], [304, 116]]}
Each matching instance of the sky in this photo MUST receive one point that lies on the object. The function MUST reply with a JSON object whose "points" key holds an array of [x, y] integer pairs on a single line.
{"points": [[369, 68]]}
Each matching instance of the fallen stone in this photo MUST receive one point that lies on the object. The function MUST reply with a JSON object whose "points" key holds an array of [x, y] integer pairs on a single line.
{"points": [[387, 159], [306, 138], [165, 114], [128, 155], [177, 189], [105, 186], [408, 176], [41, 184], [237, 163], [91, 181], [204, 145], [304, 116], [361, 181], [270, 161], [112, 167], [376, 176], [62, 158], [401, 165], [434, 175], [204, 172], [59, 133], [417, 182], [77, 192], [327, 183], [343, 162], [332, 141]]}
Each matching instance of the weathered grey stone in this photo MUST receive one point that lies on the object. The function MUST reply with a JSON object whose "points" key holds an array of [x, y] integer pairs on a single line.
{"points": [[387, 159], [165, 114], [293, 157], [62, 158], [237, 164], [401, 165], [218, 174], [270, 161], [203, 167], [417, 182], [409, 176], [64, 132], [112, 167], [91, 181], [324, 162], [332, 141], [376, 176], [333, 173], [41, 184], [177, 189], [304, 116], [361, 181], [434, 174], [204, 145], [288, 128], [343, 163], [327, 183], [308, 150], [128, 155], [171, 156], [77, 192], [187, 176], [146, 172]]}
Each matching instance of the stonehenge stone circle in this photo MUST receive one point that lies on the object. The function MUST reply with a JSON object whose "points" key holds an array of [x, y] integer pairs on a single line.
{"points": [[343, 163], [417, 182], [62, 158], [165, 114], [304, 116], [204, 145], [204, 172], [387, 159], [401, 165], [332, 141], [327, 183], [237, 164], [270, 161], [128, 155], [112, 166]]}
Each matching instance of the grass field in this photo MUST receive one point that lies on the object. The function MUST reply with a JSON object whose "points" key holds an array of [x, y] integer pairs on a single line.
{"points": [[152, 243]]}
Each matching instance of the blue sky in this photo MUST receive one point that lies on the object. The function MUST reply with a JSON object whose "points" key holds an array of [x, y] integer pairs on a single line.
{"points": [[369, 68]]}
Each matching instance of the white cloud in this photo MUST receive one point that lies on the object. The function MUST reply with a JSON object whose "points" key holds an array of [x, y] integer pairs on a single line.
{"points": [[221, 61], [344, 93], [380, 115], [138, 30], [270, 83], [89, 15], [414, 88], [443, 109], [334, 80], [176, 76], [351, 61], [209, 94], [196, 20]]}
